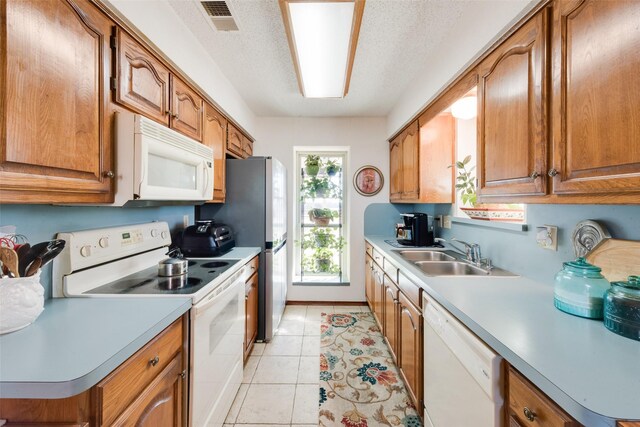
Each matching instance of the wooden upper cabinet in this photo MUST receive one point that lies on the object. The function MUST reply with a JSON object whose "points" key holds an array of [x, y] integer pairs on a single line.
{"points": [[596, 97], [214, 135], [247, 147], [437, 142], [395, 166], [512, 119], [142, 82], [411, 163], [56, 141], [186, 109], [234, 141]]}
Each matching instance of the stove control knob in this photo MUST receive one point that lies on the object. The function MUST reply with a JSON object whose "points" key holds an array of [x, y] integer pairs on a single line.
{"points": [[165, 234], [103, 242], [85, 251], [154, 233]]}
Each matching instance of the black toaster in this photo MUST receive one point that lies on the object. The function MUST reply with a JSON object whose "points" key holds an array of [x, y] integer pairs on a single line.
{"points": [[206, 239]]}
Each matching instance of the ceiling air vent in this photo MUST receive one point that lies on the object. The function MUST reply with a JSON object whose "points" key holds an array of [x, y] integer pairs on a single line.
{"points": [[220, 15]]}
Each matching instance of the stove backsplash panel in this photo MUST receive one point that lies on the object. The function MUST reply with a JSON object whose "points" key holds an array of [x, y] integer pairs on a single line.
{"points": [[41, 222]]}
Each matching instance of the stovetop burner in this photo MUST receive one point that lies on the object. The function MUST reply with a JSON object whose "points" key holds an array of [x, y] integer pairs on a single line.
{"points": [[201, 272]]}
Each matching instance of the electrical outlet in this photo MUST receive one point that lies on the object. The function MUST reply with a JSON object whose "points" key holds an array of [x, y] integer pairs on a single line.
{"points": [[547, 237], [185, 221], [446, 221]]}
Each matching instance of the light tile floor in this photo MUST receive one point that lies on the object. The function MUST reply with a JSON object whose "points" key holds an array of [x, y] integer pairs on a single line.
{"points": [[281, 378]]}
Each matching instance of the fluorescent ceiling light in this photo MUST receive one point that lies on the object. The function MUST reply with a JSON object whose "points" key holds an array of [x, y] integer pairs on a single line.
{"points": [[323, 36]]}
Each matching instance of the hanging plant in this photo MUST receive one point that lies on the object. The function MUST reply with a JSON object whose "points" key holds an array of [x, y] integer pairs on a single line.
{"points": [[312, 165], [321, 216], [332, 168]]}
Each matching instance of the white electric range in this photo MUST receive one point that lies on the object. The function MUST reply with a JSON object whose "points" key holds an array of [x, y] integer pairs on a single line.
{"points": [[122, 262]]}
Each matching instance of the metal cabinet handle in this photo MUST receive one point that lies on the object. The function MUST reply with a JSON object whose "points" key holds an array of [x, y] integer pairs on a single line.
{"points": [[529, 414], [553, 172], [154, 361], [534, 175], [109, 174], [183, 374], [175, 116]]}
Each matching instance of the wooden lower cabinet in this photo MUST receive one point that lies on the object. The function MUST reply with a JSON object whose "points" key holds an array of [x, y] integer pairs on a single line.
{"points": [[160, 404], [390, 316], [410, 358], [528, 406], [148, 389], [251, 313]]}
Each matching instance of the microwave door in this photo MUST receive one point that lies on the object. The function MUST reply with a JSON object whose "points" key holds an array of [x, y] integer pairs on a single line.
{"points": [[169, 172]]}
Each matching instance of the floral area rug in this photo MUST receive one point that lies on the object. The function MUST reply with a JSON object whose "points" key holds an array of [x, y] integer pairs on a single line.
{"points": [[359, 383]]}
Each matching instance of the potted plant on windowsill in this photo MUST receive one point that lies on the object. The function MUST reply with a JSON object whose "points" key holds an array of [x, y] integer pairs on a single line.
{"points": [[322, 217], [323, 260], [465, 185], [312, 165]]}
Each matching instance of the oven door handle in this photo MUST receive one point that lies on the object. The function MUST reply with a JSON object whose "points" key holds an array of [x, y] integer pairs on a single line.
{"points": [[213, 298]]}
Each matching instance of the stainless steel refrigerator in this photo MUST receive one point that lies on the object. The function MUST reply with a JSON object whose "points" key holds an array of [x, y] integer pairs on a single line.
{"points": [[256, 210]]}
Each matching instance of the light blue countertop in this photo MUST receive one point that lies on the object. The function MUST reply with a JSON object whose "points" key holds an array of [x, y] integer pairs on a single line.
{"points": [[589, 371], [78, 341]]}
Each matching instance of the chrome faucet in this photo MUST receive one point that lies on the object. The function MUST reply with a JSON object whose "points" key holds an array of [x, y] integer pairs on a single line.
{"points": [[472, 250]]}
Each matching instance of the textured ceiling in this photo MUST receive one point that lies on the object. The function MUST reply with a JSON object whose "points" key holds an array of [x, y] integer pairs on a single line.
{"points": [[396, 40]]}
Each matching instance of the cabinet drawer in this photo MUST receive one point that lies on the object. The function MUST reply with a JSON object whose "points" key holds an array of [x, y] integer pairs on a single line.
{"points": [[528, 406], [119, 389], [377, 257], [390, 269], [251, 268], [410, 290]]}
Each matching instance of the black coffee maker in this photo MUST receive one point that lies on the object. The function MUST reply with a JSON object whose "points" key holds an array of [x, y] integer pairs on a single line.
{"points": [[416, 230]]}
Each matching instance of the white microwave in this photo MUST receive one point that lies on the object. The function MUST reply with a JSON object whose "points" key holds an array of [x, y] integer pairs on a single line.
{"points": [[157, 165]]}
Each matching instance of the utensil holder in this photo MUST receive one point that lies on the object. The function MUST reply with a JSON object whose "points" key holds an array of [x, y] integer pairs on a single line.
{"points": [[21, 302]]}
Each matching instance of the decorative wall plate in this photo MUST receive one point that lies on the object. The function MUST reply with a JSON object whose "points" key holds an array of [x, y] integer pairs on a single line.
{"points": [[368, 180]]}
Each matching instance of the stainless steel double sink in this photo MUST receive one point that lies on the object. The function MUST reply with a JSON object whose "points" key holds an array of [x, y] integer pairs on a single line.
{"points": [[447, 263]]}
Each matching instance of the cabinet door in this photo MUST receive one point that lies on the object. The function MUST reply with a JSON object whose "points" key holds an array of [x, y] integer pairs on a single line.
{"points": [[437, 141], [186, 109], [391, 316], [56, 141], [369, 282], [378, 288], [251, 307], [143, 82], [214, 135], [234, 141], [247, 147], [596, 97], [160, 404], [410, 348], [411, 163], [512, 119], [395, 165]]}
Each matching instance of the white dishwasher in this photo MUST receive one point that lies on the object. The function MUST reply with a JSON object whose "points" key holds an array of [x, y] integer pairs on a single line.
{"points": [[462, 384]]}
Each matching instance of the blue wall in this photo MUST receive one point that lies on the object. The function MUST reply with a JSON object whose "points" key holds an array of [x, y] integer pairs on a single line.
{"points": [[42, 222], [517, 251]]}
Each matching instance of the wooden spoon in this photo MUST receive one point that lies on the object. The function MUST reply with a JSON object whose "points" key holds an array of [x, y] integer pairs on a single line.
{"points": [[9, 259]]}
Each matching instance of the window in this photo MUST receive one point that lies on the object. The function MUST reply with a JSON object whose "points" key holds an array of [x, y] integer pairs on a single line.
{"points": [[320, 255], [464, 113]]}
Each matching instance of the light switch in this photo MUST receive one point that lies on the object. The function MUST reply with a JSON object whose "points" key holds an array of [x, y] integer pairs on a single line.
{"points": [[547, 237], [185, 221], [446, 222]]}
